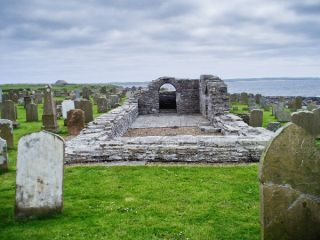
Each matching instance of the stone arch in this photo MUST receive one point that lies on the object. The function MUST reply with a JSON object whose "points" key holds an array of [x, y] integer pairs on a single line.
{"points": [[167, 98]]}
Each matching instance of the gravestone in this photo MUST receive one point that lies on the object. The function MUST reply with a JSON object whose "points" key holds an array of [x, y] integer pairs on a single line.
{"points": [[298, 102], [283, 116], [86, 93], [6, 132], [67, 105], [274, 126], [32, 112], [75, 121], [26, 101], [38, 98], [3, 155], [86, 106], [39, 177], [114, 101], [102, 104], [77, 92], [289, 184], [256, 118], [244, 98], [8, 111], [0, 95], [252, 104], [258, 98], [234, 98], [263, 102], [49, 117], [310, 121]]}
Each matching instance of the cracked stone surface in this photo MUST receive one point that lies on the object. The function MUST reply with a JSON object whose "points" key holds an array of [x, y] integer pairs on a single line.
{"points": [[290, 189]]}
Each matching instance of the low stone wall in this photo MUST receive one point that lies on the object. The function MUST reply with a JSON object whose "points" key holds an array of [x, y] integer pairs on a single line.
{"points": [[109, 125], [183, 148]]}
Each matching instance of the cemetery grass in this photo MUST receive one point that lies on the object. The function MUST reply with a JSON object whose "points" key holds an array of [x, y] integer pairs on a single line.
{"points": [[267, 115], [145, 202]]}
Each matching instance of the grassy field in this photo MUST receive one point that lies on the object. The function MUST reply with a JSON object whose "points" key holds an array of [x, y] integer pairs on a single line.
{"points": [[267, 115], [140, 202], [153, 202]]}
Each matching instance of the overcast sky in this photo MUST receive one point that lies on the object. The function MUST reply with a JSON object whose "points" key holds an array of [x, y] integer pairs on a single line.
{"points": [[140, 40]]}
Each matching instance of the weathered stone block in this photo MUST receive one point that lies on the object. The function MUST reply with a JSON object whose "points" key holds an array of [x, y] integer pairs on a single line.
{"points": [[3, 156], [75, 121], [39, 180], [32, 112], [6, 132], [256, 118], [290, 189]]}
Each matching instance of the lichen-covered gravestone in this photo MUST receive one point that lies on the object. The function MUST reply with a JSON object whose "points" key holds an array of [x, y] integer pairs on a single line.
{"points": [[32, 112], [3, 155], [8, 111], [290, 181], [256, 118], [39, 179], [75, 121], [49, 117], [86, 106], [6, 132], [102, 105]]}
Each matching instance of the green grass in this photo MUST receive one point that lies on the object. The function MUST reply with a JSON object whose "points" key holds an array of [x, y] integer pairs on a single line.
{"points": [[154, 202], [267, 115], [140, 202]]}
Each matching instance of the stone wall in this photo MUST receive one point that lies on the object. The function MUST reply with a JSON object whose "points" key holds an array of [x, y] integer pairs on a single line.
{"points": [[109, 125], [184, 148], [214, 99], [187, 96]]}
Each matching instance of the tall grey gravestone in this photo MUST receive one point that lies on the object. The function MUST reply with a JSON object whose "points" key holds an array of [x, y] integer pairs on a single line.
{"points": [[0, 95], [256, 118], [289, 181], [32, 112], [8, 111], [3, 155], [49, 117], [39, 179]]}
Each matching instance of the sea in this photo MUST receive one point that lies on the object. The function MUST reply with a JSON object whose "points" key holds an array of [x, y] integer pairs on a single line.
{"points": [[306, 87]]}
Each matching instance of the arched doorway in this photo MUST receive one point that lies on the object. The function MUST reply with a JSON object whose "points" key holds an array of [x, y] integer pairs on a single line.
{"points": [[167, 98]]}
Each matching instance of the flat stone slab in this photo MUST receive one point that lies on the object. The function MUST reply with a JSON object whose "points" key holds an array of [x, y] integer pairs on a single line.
{"points": [[168, 120]]}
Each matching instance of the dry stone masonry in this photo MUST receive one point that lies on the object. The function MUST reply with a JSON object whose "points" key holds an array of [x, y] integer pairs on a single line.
{"points": [[39, 180], [290, 177], [228, 138]]}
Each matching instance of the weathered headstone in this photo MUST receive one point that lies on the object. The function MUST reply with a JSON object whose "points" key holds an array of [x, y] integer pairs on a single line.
{"points": [[310, 121], [49, 117], [86, 93], [6, 131], [8, 111], [114, 101], [38, 98], [258, 98], [3, 155], [274, 126], [252, 104], [0, 95], [39, 179], [86, 106], [102, 104], [283, 116], [77, 92], [256, 118], [289, 185], [244, 98], [75, 121], [26, 101], [32, 112], [67, 105]]}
